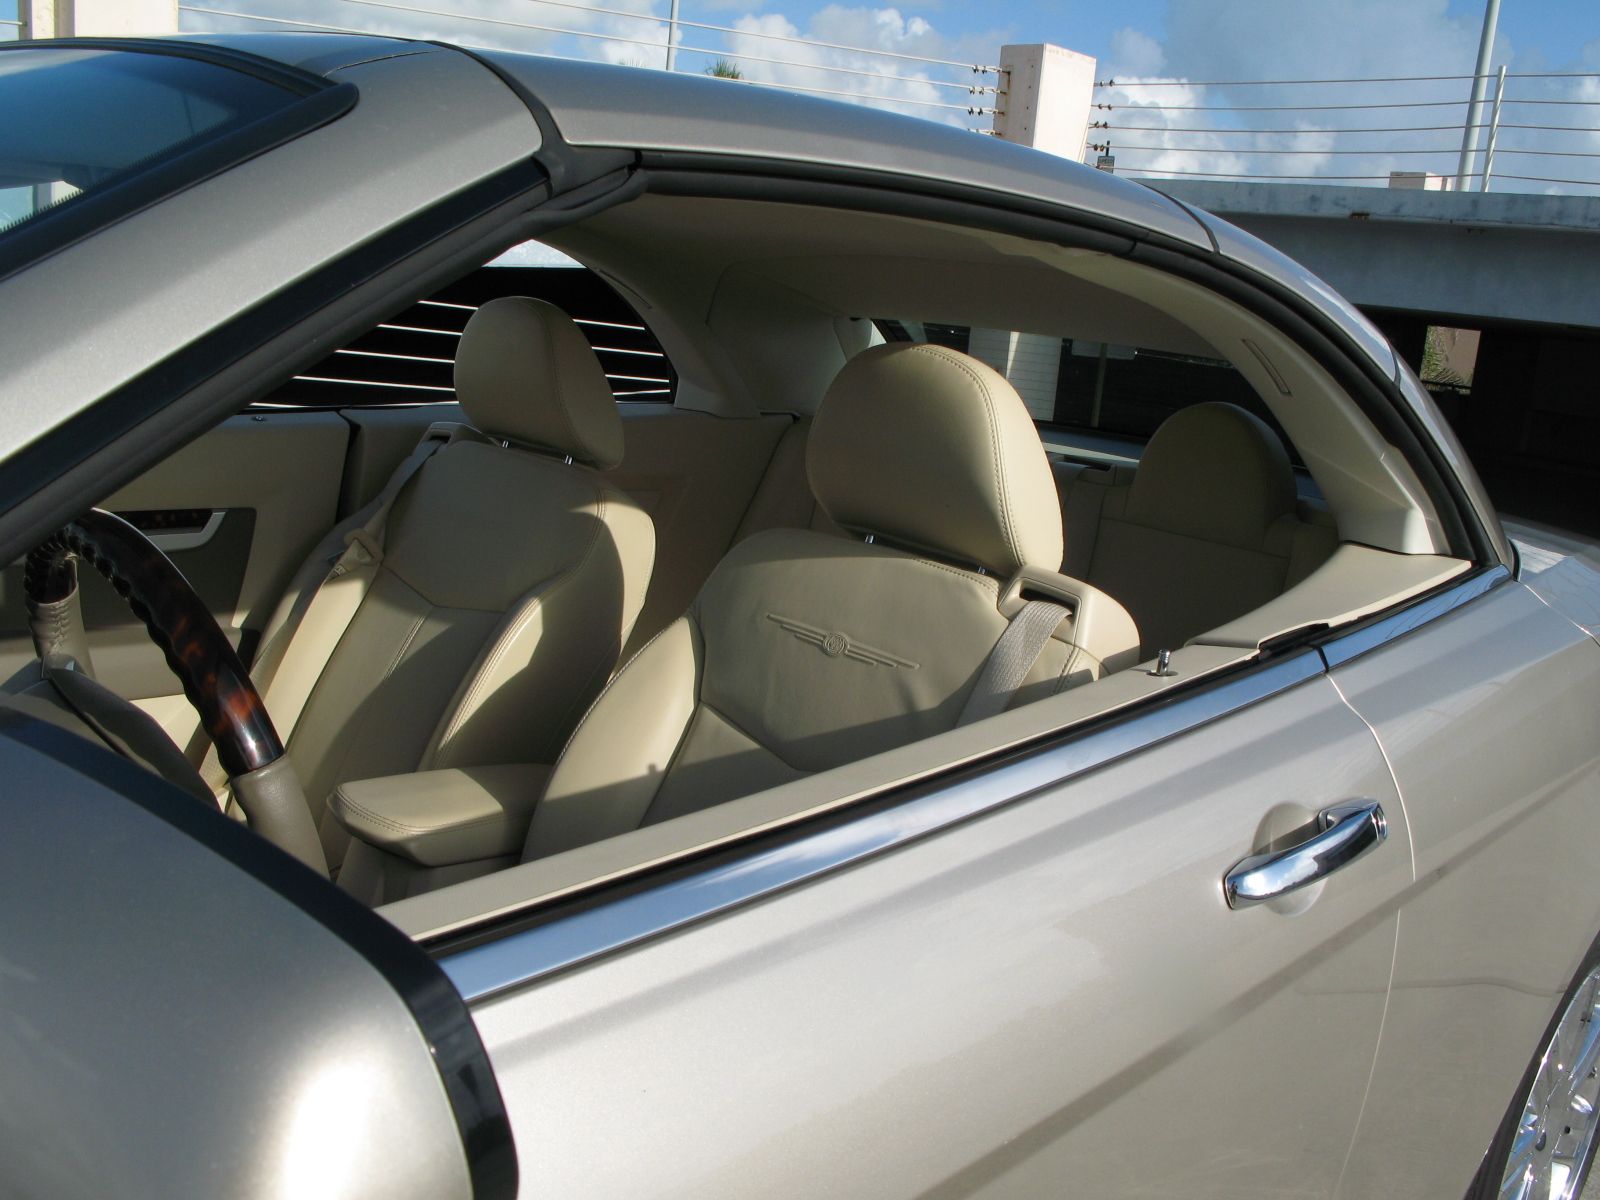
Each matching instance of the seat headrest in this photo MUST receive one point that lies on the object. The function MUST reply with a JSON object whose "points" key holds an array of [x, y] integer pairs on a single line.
{"points": [[526, 374], [928, 447], [1213, 471]]}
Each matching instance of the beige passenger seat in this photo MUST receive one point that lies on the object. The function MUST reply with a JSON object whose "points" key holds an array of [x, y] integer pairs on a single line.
{"points": [[1207, 528], [494, 593], [804, 650]]}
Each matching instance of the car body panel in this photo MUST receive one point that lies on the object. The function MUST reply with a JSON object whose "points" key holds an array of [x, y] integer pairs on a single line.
{"points": [[215, 1040], [1043, 993], [318, 53], [1488, 716], [83, 321], [1562, 570], [1032, 985], [621, 106], [1248, 250]]}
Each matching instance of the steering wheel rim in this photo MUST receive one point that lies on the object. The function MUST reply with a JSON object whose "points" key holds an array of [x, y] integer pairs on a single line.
{"points": [[213, 677]]}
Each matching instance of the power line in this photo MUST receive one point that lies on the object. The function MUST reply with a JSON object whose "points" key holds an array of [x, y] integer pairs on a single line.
{"points": [[788, 87], [795, 87], [1313, 178], [789, 62], [1310, 132], [1544, 179], [1112, 83], [1294, 107], [645, 42], [1251, 150], [1375, 153], [779, 37], [1295, 132]]}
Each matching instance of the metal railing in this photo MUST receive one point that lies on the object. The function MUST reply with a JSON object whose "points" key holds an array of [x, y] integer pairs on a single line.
{"points": [[876, 76], [1547, 124]]}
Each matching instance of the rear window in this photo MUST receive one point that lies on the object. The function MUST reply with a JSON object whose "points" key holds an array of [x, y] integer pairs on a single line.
{"points": [[84, 120], [1073, 384]]}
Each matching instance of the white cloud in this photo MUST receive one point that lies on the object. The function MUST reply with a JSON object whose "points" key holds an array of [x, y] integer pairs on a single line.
{"points": [[1135, 53], [1189, 118], [901, 85]]}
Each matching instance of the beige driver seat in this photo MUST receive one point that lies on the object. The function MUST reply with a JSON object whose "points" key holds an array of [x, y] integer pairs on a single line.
{"points": [[804, 651], [508, 576]]}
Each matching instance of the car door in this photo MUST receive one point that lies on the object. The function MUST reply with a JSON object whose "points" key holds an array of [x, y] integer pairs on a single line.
{"points": [[1485, 704], [186, 1011], [1023, 981]]}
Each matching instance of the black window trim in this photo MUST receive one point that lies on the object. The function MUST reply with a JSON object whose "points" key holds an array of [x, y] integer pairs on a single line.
{"points": [[320, 102]]}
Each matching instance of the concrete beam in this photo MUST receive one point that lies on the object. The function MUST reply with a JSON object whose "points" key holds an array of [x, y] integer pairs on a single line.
{"points": [[1473, 255], [98, 18]]}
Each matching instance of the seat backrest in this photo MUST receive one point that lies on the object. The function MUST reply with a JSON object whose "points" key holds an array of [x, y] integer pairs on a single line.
{"points": [[1206, 528], [511, 573], [805, 650]]}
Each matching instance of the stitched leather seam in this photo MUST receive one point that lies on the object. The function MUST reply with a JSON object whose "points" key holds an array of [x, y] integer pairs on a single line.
{"points": [[996, 461], [363, 813], [611, 683], [579, 445], [503, 644], [987, 583], [750, 737]]}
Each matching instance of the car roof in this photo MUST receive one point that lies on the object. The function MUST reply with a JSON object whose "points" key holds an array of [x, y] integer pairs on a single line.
{"points": [[599, 104]]}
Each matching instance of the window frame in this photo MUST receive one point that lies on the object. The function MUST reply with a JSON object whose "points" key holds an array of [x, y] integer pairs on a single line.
{"points": [[319, 102]]}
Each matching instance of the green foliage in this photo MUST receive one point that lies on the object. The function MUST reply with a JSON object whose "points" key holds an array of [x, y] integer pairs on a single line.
{"points": [[725, 68]]}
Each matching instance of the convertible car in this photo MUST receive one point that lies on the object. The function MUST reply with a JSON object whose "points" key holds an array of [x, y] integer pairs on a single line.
{"points": [[574, 631]]}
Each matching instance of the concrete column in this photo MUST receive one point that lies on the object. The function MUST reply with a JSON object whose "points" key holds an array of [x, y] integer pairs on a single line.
{"points": [[98, 18], [1030, 361], [1047, 93], [1045, 103]]}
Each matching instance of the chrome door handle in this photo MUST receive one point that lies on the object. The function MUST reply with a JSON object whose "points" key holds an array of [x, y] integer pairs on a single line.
{"points": [[1347, 831]]}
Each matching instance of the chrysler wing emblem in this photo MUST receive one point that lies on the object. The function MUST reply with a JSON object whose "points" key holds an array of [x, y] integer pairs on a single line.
{"points": [[836, 645]]}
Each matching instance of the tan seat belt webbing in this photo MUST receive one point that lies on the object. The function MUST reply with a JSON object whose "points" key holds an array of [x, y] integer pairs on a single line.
{"points": [[334, 604], [1012, 658]]}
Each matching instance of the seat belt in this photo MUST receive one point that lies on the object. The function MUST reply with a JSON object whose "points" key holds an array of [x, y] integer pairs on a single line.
{"points": [[1012, 658], [311, 641]]}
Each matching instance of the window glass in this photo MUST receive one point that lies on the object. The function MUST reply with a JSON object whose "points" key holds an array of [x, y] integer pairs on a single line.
{"points": [[96, 117], [10, 20], [410, 358], [1449, 358], [1122, 391]]}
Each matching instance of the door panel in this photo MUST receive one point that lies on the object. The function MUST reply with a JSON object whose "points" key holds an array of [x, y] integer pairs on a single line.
{"points": [[1051, 999], [1490, 719], [275, 479]]}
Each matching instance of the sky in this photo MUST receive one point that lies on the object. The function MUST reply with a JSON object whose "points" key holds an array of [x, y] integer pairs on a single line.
{"points": [[1161, 53]]}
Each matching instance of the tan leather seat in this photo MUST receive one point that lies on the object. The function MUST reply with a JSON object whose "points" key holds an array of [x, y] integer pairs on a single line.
{"points": [[803, 650], [511, 573], [1206, 529]]}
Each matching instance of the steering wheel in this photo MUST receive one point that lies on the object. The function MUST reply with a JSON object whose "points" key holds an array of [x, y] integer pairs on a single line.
{"points": [[213, 677]]}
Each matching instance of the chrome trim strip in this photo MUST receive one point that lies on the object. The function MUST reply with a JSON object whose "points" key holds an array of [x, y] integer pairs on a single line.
{"points": [[519, 958], [1341, 650]]}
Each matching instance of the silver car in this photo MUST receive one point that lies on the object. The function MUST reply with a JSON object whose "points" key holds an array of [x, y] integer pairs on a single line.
{"points": [[583, 632]]}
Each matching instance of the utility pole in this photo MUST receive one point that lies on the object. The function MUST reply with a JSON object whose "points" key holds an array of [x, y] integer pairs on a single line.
{"points": [[1480, 84], [672, 34]]}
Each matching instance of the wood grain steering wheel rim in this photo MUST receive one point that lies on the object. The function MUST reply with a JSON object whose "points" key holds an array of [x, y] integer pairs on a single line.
{"points": [[213, 677]]}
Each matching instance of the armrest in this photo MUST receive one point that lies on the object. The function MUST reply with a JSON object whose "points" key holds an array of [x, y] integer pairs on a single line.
{"points": [[439, 818]]}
